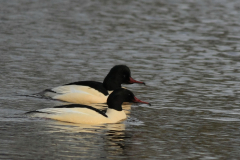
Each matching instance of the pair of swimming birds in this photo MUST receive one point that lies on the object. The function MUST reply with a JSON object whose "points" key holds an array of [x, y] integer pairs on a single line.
{"points": [[91, 92]]}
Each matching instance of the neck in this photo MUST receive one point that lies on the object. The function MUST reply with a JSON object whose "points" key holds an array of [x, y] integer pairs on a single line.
{"points": [[115, 103], [110, 83]]}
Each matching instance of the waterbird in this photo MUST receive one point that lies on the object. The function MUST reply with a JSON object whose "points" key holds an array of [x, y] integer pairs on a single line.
{"points": [[86, 114], [85, 92]]}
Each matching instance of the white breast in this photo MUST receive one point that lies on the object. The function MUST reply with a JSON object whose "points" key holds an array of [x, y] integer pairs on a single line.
{"points": [[115, 116]]}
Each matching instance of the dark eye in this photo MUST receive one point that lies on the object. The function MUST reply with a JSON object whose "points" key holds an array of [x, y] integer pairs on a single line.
{"points": [[124, 76]]}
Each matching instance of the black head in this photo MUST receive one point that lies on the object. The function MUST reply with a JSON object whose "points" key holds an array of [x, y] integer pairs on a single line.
{"points": [[119, 74], [118, 96]]}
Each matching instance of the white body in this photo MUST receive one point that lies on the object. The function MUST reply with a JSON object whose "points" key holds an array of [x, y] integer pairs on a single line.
{"points": [[77, 94], [82, 115]]}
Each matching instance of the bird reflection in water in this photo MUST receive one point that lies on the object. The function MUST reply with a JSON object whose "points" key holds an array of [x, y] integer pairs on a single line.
{"points": [[106, 138]]}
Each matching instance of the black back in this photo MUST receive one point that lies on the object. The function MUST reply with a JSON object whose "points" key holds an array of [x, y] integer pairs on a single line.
{"points": [[82, 106], [119, 74], [95, 85]]}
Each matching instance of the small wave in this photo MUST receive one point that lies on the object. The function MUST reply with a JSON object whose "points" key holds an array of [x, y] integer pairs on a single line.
{"points": [[134, 121], [225, 119]]}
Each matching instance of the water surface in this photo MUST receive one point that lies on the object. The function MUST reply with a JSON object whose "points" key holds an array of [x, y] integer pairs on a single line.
{"points": [[186, 51]]}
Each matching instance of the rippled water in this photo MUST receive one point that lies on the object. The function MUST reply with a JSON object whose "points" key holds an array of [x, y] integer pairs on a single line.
{"points": [[186, 51]]}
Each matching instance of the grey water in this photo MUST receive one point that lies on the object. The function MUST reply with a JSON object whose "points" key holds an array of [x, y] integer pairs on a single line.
{"points": [[186, 51]]}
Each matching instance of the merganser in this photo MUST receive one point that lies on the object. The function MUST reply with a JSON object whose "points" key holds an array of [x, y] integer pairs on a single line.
{"points": [[84, 114], [85, 92]]}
